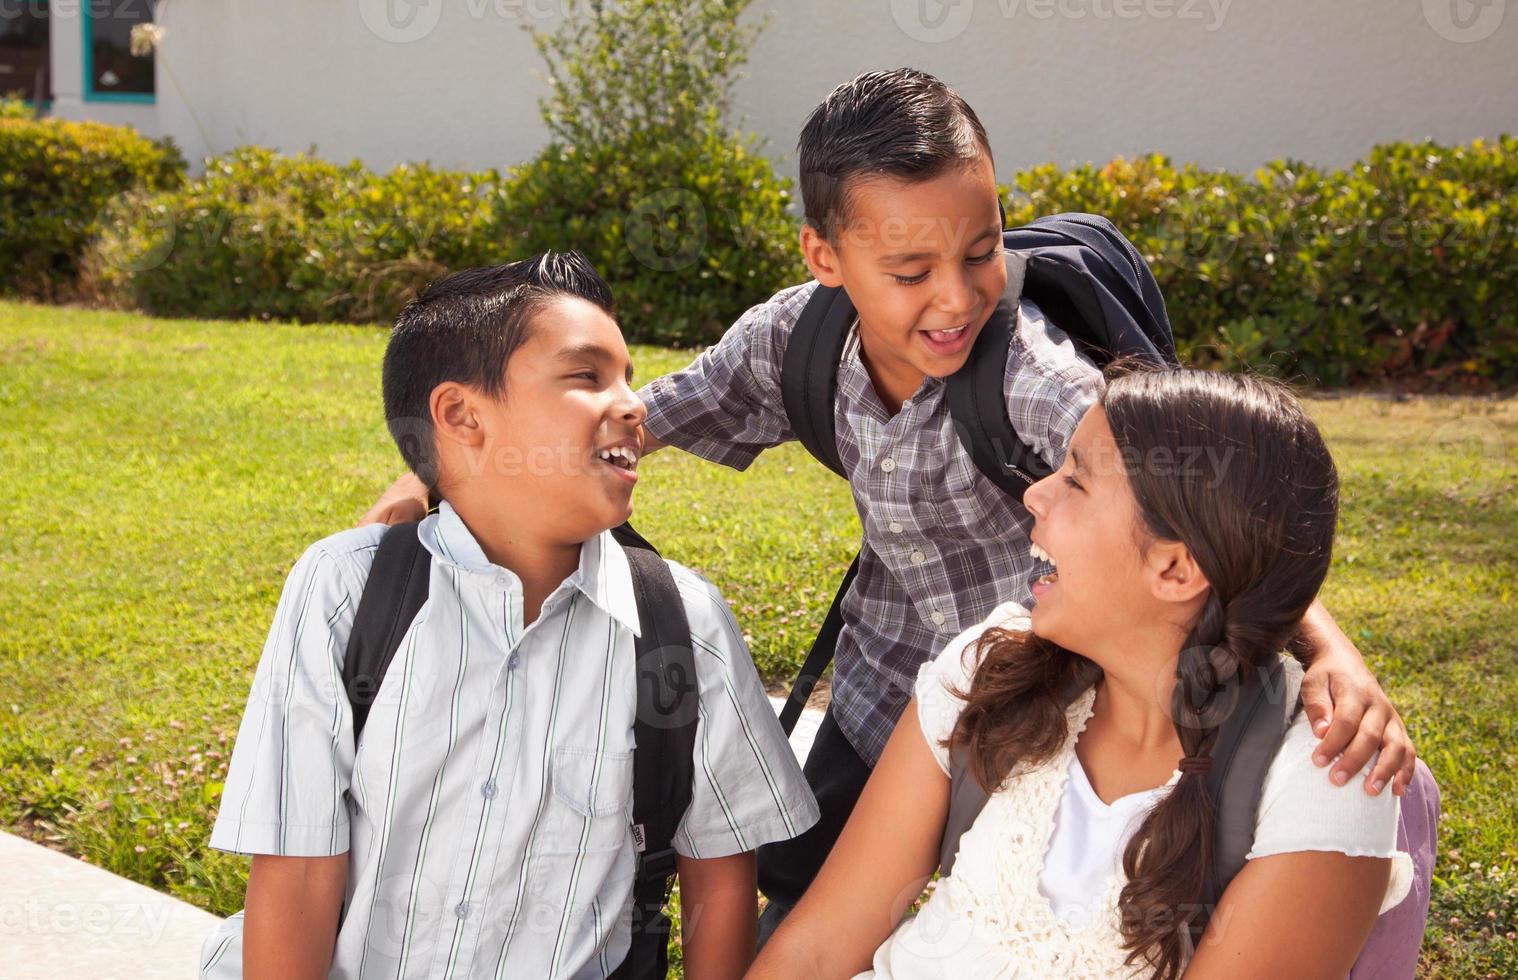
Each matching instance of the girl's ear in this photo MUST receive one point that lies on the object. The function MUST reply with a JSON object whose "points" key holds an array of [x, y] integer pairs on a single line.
{"points": [[821, 258], [455, 416], [1173, 573]]}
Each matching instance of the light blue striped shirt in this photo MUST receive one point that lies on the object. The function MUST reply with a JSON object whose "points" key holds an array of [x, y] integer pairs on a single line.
{"points": [[487, 810]]}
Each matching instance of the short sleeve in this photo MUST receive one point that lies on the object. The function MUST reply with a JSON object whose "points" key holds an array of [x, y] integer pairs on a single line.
{"points": [[725, 406], [1049, 384], [1302, 810], [293, 758], [949, 672], [748, 788]]}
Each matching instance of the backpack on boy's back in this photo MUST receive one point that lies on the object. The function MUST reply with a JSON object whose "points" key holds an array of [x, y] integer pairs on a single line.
{"points": [[1092, 284]]}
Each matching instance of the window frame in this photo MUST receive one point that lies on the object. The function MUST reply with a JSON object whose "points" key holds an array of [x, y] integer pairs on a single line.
{"points": [[89, 93], [46, 103]]}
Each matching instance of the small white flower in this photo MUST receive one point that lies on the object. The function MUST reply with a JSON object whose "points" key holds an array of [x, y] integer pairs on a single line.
{"points": [[145, 39]]}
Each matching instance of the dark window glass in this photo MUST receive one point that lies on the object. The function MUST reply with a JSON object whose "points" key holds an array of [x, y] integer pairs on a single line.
{"points": [[24, 50], [113, 69]]}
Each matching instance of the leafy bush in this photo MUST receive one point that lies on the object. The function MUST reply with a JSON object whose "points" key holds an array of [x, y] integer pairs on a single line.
{"points": [[688, 233], [55, 177], [1403, 265], [14, 108], [291, 237]]}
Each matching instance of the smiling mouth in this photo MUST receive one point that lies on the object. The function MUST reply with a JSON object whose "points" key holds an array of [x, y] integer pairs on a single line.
{"points": [[948, 336]]}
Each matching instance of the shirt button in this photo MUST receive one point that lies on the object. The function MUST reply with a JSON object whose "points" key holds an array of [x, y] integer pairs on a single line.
{"points": [[887, 465], [516, 658], [488, 790], [937, 618], [461, 910], [918, 558], [895, 527]]}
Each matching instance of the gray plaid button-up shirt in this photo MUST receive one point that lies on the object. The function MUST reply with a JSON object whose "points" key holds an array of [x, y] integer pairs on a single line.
{"points": [[943, 546]]}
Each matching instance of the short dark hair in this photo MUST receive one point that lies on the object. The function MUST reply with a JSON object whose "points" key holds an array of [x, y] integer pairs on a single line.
{"points": [[903, 123], [464, 328]]}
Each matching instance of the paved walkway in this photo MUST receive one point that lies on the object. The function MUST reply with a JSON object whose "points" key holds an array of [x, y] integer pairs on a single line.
{"points": [[62, 919]]}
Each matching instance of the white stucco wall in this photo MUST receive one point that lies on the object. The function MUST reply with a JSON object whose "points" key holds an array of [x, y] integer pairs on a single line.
{"points": [[1227, 83]]}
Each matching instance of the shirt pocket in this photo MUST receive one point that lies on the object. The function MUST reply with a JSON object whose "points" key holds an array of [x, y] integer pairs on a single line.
{"points": [[590, 802]]}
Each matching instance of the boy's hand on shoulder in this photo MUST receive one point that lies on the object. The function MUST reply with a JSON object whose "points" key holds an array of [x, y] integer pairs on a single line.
{"points": [[406, 500], [1350, 713]]}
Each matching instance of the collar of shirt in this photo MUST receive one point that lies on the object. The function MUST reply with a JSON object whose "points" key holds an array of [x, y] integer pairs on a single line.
{"points": [[604, 575]]}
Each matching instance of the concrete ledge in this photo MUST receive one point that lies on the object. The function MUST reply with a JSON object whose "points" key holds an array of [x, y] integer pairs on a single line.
{"points": [[62, 919]]}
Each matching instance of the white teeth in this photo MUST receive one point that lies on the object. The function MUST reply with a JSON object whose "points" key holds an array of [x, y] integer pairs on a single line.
{"points": [[947, 334], [625, 453], [1039, 553]]}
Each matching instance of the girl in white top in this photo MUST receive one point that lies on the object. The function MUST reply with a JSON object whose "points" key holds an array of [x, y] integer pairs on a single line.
{"points": [[1192, 523]]}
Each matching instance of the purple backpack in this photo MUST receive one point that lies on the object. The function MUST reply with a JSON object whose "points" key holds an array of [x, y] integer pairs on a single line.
{"points": [[1391, 952], [1263, 707]]}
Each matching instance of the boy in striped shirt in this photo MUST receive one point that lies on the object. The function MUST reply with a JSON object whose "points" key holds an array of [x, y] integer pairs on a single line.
{"points": [[480, 827]]}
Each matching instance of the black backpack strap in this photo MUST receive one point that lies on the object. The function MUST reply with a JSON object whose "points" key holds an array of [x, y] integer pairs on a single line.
{"points": [[817, 659], [977, 400], [394, 593], [1266, 702], [809, 372], [664, 731]]}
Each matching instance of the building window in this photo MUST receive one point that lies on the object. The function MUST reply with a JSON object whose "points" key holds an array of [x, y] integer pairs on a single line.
{"points": [[111, 72], [24, 50]]}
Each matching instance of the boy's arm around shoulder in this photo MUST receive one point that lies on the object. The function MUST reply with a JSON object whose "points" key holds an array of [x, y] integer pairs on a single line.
{"points": [[725, 406]]}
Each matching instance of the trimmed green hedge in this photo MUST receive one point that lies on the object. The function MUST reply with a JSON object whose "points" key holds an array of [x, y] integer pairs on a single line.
{"points": [[1401, 267], [55, 178], [263, 235], [689, 233], [1404, 265]]}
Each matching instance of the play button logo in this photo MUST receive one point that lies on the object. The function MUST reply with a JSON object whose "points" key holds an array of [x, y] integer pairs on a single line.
{"points": [[932, 21], [400, 21], [1464, 21]]}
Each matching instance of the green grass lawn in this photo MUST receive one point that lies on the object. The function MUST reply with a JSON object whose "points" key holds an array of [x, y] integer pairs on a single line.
{"points": [[160, 477]]}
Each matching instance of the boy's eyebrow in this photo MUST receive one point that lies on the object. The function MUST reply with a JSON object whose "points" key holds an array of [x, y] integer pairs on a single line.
{"points": [[593, 351], [901, 258]]}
